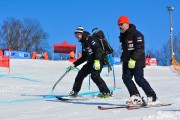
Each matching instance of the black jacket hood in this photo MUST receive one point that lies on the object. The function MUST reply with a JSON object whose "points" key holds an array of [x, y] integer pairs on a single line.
{"points": [[84, 36], [131, 28]]}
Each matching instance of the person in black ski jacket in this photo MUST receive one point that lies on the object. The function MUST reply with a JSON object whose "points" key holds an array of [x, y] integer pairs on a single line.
{"points": [[92, 53], [133, 62]]}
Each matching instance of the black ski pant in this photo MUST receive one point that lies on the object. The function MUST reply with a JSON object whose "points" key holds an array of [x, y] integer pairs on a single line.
{"points": [[138, 74], [95, 76]]}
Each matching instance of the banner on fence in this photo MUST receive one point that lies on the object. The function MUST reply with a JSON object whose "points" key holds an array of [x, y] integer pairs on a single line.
{"points": [[17, 54]]}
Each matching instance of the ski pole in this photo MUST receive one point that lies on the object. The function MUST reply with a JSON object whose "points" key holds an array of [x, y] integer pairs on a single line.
{"points": [[114, 77], [60, 79], [109, 66], [112, 68], [89, 86]]}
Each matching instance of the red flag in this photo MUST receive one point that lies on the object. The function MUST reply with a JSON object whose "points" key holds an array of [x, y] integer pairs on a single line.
{"points": [[4, 61]]}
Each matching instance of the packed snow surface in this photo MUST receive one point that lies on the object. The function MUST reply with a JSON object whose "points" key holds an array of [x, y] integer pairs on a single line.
{"points": [[37, 77]]}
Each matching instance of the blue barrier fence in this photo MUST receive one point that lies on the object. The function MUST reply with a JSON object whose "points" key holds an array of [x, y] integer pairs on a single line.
{"points": [[17, 54]]}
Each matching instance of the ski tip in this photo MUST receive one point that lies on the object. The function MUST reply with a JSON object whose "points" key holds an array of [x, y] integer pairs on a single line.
{"points": [[59, 98], [99, 107]]}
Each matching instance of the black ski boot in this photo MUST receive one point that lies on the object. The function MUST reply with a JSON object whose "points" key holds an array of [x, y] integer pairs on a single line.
{"points": [[73, 93]]}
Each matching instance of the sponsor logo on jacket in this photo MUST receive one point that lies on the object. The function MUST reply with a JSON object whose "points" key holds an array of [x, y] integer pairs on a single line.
{"points": [[130, 45]]}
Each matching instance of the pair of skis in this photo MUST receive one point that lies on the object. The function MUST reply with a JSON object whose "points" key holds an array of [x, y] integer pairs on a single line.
{"points": [[81, 98]]}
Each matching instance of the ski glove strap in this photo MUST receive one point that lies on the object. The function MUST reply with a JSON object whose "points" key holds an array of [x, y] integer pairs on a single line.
{"points": [[96, 65], [131, 63]]}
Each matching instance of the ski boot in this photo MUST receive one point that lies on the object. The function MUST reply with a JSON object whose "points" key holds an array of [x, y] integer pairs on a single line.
{"points": [[73, 93], [105, 95], [135, 100], [152, 100]]}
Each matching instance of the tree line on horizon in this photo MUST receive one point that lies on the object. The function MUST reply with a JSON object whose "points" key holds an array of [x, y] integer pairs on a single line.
{"points": [[28, 36], [163, 55]]}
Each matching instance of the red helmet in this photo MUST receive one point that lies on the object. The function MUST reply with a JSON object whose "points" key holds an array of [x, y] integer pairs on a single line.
{"points": [[123, 19]]}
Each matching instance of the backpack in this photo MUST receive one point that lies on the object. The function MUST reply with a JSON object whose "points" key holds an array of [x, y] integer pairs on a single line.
{"points": [[103, 42], [105, 46]]}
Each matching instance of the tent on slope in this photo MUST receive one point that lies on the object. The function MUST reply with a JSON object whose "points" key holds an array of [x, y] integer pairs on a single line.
{"points": [[64, 48]]}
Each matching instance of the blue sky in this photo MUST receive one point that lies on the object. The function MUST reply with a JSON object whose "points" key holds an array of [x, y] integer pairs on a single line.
{"points": [[59, 18]]}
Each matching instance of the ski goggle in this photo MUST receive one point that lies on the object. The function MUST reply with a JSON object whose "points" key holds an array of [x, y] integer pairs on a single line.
{"points": [[77, 34], [120, 24]]}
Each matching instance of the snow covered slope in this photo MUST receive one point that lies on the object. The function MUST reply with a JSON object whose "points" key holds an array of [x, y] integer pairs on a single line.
{"points": [[36, 77]]}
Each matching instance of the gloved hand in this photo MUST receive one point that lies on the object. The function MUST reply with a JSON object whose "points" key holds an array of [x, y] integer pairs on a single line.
{"points": [[71, 67], [131, 63], [96, 65]]}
